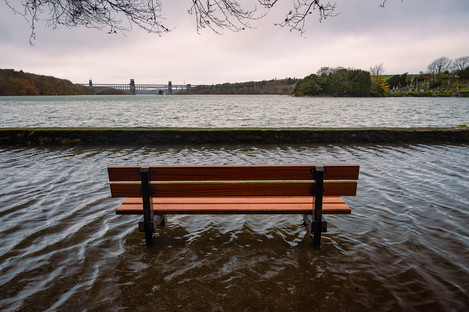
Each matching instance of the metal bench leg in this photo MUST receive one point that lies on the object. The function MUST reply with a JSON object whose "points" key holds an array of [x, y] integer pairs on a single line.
{"points": [[318, 190], [148, 216]]}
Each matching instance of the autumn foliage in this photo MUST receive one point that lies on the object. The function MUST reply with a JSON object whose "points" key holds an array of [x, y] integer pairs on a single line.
{"points": [[19, 83]]}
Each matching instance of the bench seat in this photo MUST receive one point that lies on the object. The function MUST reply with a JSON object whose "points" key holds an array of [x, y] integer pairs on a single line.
{"points": [[235, 205]]}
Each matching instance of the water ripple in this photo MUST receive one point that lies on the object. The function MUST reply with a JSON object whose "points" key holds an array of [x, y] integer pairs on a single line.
{"points": [[404, 247], [218, 111]]}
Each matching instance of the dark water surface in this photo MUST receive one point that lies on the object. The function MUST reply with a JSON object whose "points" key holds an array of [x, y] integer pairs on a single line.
{"points": [[405, 247]]}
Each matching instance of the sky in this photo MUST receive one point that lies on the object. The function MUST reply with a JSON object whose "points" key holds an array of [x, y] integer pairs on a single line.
{"points": [[405, 36]]}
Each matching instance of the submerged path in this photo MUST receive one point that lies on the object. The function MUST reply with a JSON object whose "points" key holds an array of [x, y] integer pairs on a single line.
{"points": [[167, 136]]}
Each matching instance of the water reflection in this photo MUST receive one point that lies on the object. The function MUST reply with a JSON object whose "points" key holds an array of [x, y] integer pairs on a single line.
{"points": [[403, 248]]}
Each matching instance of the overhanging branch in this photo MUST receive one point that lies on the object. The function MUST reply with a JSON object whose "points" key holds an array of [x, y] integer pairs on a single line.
{"points": [[122, 15]]}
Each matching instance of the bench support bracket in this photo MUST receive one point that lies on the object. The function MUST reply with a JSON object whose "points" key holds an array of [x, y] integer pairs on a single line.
{"points": [[159, 221], [311, 224]]}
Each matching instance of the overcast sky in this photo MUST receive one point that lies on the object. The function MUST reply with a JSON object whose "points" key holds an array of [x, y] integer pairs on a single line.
{"points": [[404, 36]]}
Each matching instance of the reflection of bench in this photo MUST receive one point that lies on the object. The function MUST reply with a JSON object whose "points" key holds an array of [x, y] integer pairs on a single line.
{"points": [[310, 190]]}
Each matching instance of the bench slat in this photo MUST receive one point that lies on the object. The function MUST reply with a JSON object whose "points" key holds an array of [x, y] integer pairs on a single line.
{"points": [[235, 199], [235, 205], [233, 173], [342, 188]]}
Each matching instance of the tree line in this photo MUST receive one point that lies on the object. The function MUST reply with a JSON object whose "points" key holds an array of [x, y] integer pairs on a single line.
{"points": [[444, 77], [273, 86]]}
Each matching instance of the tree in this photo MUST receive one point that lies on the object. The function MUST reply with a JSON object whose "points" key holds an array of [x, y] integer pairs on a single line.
{"points": [[463, 73], [377, 70], [460, 63], [310, 86], [439, 66], [326, 70], [216, 15], [398, 81], [378, 84], [335, 82], [383, 86], [394, 81]]}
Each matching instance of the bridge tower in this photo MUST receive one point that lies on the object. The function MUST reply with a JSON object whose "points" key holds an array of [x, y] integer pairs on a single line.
{"points": [[170, 87], [132, 87], [90, 85]]}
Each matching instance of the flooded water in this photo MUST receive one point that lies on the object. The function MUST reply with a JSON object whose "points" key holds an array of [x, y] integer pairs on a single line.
{"points": [[405, 247], [220, 111]]}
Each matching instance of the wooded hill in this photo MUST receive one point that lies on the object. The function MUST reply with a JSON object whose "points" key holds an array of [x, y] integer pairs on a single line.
{"points": [[19, 83], [338, 82], [274, 86]]}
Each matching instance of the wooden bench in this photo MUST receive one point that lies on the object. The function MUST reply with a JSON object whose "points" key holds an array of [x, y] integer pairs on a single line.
{"points": [[309, 190]]}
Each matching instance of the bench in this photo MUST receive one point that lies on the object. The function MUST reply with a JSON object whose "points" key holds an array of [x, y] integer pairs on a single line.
{"points": [[309, 190]]}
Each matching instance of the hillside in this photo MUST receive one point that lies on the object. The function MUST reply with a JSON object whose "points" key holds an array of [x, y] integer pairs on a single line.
{"points": [[354, 82], [444, 84], [274, 86], [19, 83]]}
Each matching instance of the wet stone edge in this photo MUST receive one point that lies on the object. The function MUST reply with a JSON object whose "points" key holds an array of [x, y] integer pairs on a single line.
{"points": [[197, 136]]}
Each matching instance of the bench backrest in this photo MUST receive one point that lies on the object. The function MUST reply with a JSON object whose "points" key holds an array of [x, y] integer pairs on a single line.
{"points": [[231, 180]]}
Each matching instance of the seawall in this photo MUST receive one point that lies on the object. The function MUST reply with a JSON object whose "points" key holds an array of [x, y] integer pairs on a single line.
{"points": [[175, 136]]}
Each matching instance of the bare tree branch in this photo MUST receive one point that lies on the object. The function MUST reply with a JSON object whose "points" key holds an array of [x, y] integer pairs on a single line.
{"points": [[122, 15], [268, 3], [377, 70], [383, 2], [296, 18], [222, 14], [460, 63], [439, 66], [98, 14]]}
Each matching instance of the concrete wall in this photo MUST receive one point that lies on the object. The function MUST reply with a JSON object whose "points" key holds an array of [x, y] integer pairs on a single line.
{"points": [[169, 136]]}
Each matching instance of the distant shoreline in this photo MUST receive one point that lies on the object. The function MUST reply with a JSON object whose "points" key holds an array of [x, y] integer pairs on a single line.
{"points": [[198, 136], [387, 95], [19, 83]]}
